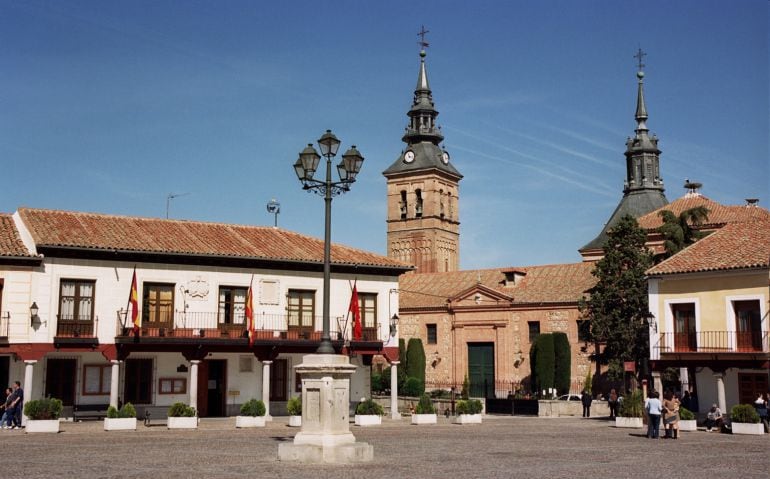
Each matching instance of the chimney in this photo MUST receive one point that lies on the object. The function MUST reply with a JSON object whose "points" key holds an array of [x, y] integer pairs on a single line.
{"points": [[752, 202], [692, 187]]}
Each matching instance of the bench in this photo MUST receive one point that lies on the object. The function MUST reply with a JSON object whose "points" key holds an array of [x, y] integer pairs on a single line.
{"points": [[89, 411], [153, 415]]}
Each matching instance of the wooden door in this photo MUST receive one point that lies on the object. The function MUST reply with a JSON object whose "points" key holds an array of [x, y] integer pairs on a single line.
{"points": [[203, 381], [138, 381], [750, 385], [684, 327], [60, 380], [748, 325], [481, 369]]}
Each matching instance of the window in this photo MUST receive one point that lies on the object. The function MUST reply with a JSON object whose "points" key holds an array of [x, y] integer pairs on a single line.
{"points": [[432, 334], [76, 300], [96, 379], [172, 386], [402, 205], [418, 205], [278, 379], [748, 325], [367, 304], [301, 307], [158, 304], [232, 305], [534, 330], [584, 330]]}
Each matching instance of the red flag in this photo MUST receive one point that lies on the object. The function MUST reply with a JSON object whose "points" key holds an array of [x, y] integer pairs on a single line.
{"points": [[133, 303], [250, 314], [354, 308]]}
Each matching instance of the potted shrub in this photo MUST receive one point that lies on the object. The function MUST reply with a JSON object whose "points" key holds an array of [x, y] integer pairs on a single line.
{"points": [[252, 414], [182, 416], [43, 415], [123, 419], [294, 408], [369, 413], [468, 411], [424, 413], [687, 420], [745, 420], [631, 411]]}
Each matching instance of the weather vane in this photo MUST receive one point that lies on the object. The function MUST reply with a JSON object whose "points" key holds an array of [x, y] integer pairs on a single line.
{"points": [[640, 56], [423, 44]]}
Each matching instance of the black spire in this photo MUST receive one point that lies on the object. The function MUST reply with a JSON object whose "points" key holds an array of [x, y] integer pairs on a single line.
{"points": [[422, 115]]}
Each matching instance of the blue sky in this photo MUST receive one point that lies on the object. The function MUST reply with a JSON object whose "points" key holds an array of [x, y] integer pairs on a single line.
{"points": [[110, 106]]}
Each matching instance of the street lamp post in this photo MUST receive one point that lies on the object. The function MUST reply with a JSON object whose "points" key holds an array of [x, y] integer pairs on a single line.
{"points": [[305, 167]]}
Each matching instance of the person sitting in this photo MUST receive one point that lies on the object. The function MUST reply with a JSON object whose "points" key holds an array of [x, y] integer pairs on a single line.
{"points": [[761, 406], [714, 418]]}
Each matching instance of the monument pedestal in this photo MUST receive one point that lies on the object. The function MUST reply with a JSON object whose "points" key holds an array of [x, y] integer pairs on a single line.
{"points": [[325, 435]]}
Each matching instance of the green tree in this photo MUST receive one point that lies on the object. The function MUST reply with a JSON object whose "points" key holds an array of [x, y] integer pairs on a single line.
{"points": [[415, 360], [617, 305], [562, 376], [545, 361], [678, 232]]}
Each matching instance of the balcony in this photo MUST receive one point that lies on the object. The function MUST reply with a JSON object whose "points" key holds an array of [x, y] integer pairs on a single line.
{"points": [[729, 342], [207, 326], [76, 330]]}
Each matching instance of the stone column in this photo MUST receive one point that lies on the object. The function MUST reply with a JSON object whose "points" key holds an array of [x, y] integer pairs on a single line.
{"points": [[721, 401], [394, 414], [29, 365], [266, 388], [114, 383], [194, 384]]}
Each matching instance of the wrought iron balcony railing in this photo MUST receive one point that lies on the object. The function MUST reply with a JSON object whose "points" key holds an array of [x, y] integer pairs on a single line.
{"points": [[69, 326], [714, 342], [208, 325]]}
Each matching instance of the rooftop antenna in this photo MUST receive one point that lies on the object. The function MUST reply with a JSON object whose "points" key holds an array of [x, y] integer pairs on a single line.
{"points": [[170, 197], [274, 207]]}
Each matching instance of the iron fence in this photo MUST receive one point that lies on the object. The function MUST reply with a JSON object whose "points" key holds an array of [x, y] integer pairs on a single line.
{"points": [[713, 342]]}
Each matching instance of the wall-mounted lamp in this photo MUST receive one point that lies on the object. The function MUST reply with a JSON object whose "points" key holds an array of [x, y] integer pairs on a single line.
{"points": [[393, 324], [33, 310]]}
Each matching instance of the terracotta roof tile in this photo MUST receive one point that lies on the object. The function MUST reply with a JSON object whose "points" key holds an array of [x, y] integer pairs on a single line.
{"points": [[54, 228], [719, 214], [556, 283], [10, 241], [735, 246]]}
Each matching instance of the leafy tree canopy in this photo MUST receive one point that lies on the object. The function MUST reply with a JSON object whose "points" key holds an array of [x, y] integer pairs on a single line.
{"points": [[678, 232]]}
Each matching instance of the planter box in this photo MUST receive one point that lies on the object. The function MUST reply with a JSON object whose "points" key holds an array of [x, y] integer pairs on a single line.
{"points": [[424, 419], [689, 425], [295, 421], [183, 422], [634, 422], [120, 424], [249, 421], [42, 425], [468, 419], [368, 420], [747, 428]]}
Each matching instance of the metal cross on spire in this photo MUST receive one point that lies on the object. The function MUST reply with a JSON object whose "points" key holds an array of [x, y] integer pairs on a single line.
{"points": [[423, 44], [640, 56]]}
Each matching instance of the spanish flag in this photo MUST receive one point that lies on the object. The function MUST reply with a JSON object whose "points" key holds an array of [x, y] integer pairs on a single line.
{"points": [[355, 310], [250, 313], [133, 303]]}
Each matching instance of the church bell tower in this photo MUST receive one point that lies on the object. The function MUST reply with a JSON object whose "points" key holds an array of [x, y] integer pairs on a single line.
{"points": [[423, 198]]}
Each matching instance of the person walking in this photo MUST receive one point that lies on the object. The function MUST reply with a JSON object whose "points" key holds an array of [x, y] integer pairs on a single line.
{"points": [[612, 401], [586, 399], [670, 415], [13, 406], [6, 406], [654, 409]]}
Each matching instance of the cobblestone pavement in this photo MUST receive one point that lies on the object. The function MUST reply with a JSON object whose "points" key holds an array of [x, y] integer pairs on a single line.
{"points": [[501, 447]]}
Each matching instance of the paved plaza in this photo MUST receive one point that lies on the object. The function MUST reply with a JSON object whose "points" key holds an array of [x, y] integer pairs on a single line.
{"points": [[501, 447]]}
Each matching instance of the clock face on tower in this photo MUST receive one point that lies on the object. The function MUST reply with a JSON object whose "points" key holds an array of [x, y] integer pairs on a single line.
{"points": [[409, 156], [445, 157]]}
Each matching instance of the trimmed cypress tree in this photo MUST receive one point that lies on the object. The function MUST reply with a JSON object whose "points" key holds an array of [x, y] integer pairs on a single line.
{"points": [[563, 363], [415, 360], [544, 362]]}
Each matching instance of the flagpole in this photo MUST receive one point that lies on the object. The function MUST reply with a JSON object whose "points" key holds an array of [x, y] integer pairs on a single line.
{"points": [[128, 303]]}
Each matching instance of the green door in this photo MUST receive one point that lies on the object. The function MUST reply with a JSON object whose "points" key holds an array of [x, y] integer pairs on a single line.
{"points": [[481, 369]]}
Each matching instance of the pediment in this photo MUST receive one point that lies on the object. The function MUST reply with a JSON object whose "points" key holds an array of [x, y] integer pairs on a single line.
{"points": [[480, 295]]}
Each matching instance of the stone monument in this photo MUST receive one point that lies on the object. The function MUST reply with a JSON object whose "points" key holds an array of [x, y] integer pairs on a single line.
{"points": [[325, 435]]}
